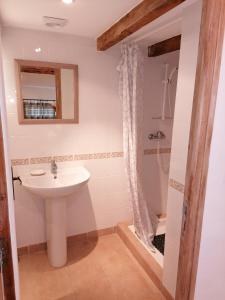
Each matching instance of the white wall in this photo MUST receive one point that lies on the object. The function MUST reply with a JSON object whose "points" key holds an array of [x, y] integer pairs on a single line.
{"points": [[100, 107], [156, 167], [211, 266], [181, 128], [104, 202], [11, 207]]}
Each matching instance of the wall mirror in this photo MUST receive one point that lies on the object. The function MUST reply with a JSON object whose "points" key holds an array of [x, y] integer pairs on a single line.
{"points": [[47, 92]]}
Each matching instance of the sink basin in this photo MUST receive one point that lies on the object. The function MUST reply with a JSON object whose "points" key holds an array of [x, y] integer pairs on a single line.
{"points": [[55, 193], [65, 184]]}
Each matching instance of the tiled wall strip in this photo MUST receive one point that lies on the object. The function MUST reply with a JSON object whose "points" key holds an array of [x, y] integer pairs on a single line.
{"points": [[63, 158], [176, 185], [155, 151]]}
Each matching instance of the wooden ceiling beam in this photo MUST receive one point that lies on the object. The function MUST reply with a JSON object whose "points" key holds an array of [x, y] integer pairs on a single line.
{"points": [[167, 46], [138, 17]]}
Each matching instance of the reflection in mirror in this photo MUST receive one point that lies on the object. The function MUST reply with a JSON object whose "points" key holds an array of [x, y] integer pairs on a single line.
{"points": [[67, 92], [47, 92], [39, 95]]}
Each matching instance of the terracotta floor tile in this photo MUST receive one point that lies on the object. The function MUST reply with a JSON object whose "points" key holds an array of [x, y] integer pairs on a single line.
{"points": [[98, 269]]}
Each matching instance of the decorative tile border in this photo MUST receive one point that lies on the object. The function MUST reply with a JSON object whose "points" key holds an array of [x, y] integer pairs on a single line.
{"points": [[98, 155], [40, 160], [63, 158], [76, 157], [155, 151], [20, 162], [176, 185], [117, 154]]}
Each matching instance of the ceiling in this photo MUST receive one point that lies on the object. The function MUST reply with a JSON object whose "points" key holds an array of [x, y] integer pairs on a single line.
{"points": [[87, 18]]}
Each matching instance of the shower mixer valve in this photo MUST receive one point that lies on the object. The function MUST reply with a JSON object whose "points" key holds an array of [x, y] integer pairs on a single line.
{"points": [[159, 135]]}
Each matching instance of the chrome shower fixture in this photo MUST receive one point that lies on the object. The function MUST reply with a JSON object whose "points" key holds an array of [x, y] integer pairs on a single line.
{"points": [[159, 135]]}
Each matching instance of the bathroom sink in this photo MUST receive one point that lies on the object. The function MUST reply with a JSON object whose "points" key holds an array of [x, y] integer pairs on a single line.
{"points": [[55, 192], [64, 185]]}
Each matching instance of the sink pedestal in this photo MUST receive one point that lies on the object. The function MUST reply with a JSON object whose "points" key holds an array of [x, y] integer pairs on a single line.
{"points": [[55, 192], [55, 209]]}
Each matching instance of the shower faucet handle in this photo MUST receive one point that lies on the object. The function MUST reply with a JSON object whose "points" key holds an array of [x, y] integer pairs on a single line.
{"points": [[159, 135]]}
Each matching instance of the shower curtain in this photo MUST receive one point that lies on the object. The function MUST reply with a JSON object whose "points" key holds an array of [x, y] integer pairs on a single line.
{"points": [[131, 93]]}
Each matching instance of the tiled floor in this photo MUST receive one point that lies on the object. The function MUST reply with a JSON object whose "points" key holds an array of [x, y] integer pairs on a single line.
{"points": [[102, 269]]}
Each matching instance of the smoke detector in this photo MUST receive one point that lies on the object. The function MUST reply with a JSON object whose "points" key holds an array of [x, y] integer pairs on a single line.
{"points": [[54, 22]]}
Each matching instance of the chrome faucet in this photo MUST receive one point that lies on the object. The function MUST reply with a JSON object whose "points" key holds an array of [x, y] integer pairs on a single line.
{"points": [[159, 135], [54, 168]]}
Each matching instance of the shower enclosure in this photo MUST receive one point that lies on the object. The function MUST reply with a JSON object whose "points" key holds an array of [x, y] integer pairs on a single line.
{"points": [[148, 90], [160, 81]]}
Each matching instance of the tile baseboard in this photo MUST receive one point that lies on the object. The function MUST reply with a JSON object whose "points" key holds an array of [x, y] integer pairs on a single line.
{"points": [[20, 162], [71, 240]]}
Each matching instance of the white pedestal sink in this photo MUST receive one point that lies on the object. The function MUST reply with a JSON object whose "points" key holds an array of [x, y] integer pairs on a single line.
{"points": [[55, 192]]}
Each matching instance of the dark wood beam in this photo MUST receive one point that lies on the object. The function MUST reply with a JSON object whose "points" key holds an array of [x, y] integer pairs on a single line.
{"points": [[138, 17], [167, 46]]}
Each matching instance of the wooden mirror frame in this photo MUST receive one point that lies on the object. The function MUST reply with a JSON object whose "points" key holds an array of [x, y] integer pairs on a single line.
{"points": [[19, 64]]}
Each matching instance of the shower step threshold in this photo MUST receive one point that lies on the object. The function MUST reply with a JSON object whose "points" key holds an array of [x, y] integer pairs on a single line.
{"points": [[144, 258], [155, 253]]}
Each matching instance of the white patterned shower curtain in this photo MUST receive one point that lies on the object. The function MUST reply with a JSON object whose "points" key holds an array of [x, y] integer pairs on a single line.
{"points": [[131, 93]]}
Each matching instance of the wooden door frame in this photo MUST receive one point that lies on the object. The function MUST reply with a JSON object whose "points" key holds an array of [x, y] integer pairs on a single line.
{"points": [[7, 268], [204, 103]]}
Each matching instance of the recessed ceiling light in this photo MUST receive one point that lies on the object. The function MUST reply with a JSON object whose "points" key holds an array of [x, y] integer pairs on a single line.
{"points": [[67, 1], [38, 49]]}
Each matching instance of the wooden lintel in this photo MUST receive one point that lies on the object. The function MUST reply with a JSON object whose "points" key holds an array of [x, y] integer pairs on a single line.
{"points": [[167, 46], [138, 17]]}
